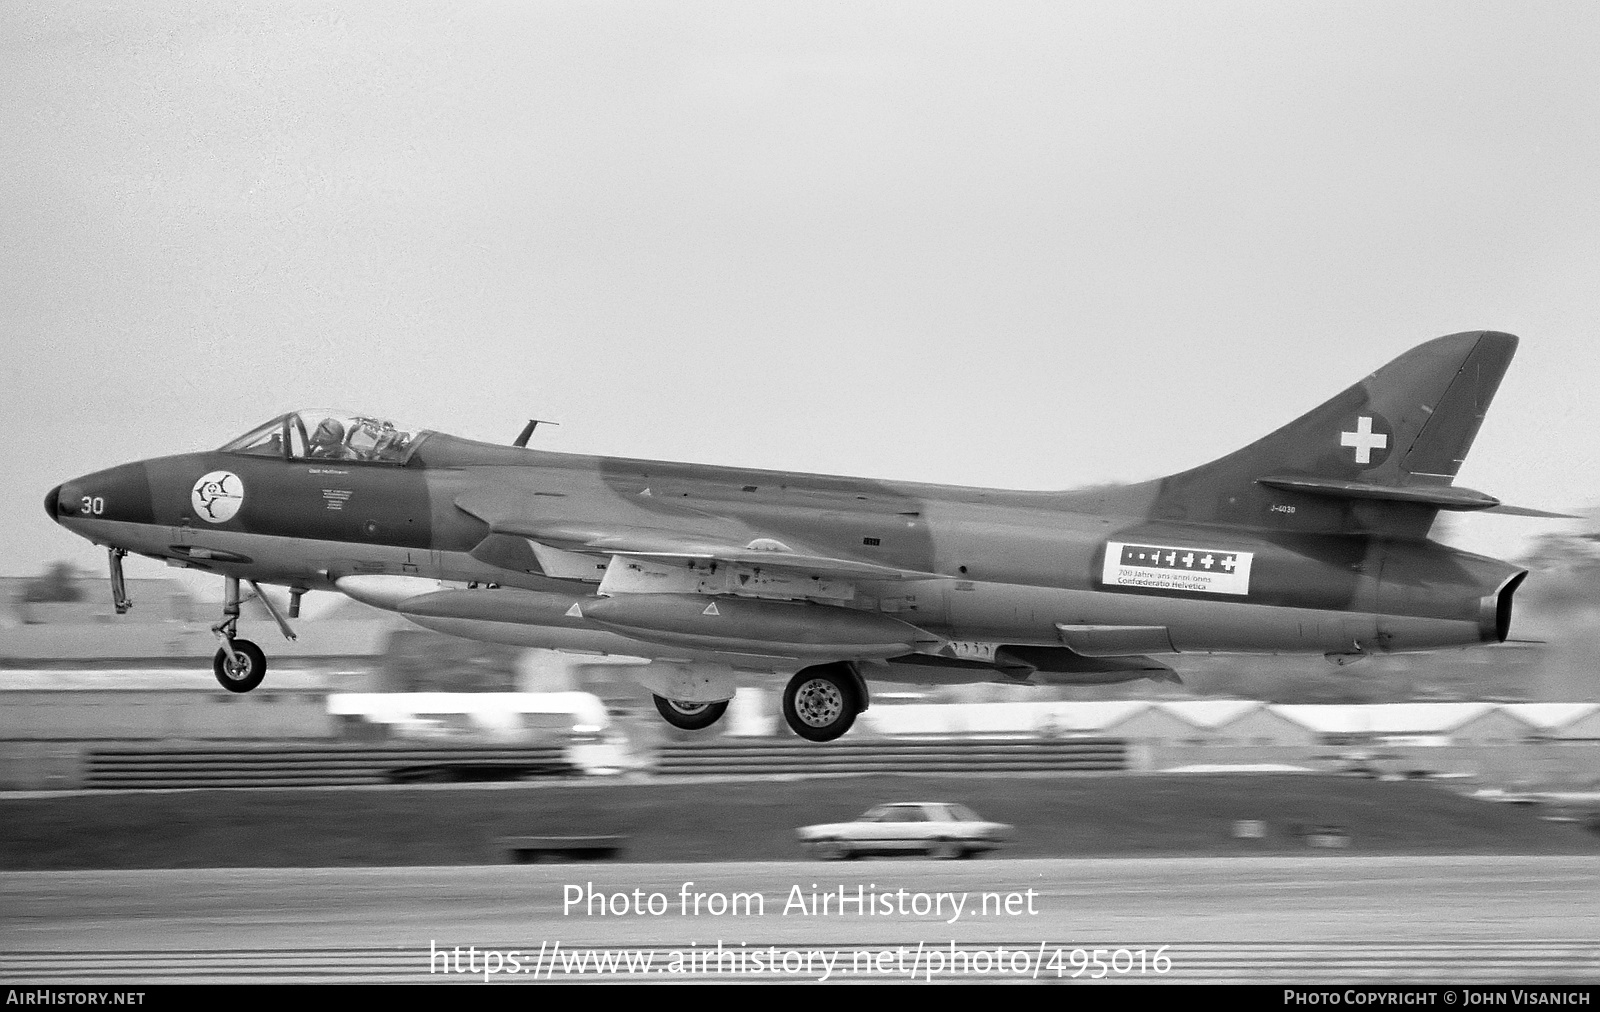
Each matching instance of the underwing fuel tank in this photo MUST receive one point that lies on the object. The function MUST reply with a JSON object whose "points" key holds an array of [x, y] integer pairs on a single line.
{"points": [[743, 625], [689, 621], [416, 597]]}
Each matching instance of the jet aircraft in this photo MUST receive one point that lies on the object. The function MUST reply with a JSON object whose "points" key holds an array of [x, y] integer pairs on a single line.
{"points": [[1313, 539]]}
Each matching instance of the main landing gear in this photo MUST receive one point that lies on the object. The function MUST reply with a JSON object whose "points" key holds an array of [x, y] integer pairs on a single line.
{"points": [[690, 716], [240, 665], [821, 702]]}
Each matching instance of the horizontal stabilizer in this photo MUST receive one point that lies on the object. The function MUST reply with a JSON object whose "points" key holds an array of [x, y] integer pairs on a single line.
{"points": [[1528, 511], [1446, 497]]}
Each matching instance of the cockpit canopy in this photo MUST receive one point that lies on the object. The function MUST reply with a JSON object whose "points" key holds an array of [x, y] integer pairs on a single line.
{"points": [[320, 434]]}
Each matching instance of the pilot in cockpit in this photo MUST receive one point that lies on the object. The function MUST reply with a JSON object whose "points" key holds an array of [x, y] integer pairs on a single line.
{"points": [[328, 441]]}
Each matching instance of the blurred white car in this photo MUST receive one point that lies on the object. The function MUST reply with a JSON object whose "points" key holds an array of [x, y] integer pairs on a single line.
{"points": [[935, 828]]}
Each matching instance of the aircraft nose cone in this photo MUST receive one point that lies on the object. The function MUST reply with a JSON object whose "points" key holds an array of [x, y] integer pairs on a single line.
{"points": [[121, 493]]}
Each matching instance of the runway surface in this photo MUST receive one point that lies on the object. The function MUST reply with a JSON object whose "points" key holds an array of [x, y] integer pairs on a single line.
{"points": [[1263, 920]]}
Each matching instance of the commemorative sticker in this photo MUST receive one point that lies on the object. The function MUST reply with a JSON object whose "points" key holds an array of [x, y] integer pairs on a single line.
{"points": [[1169, 567]]}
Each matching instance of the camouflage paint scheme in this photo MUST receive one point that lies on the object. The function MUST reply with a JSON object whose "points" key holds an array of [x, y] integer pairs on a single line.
{"points": [[1322, 527]]}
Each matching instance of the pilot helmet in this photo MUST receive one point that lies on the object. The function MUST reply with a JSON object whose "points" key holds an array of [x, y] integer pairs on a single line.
{"points": [[329, 433]]}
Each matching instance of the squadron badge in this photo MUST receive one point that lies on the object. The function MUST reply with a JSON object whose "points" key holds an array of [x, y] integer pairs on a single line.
{"points": [[217, 496]]}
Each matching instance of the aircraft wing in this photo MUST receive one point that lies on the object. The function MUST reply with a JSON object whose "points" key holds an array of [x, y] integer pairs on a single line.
{"points": [[658, 543], [699, 540]]}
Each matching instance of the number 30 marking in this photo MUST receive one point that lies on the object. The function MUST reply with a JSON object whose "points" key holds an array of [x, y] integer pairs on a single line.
{"points": [[93, 506]]}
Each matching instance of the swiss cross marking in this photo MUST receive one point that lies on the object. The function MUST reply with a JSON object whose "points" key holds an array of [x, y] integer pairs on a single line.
{"points": [[1364, 440]]}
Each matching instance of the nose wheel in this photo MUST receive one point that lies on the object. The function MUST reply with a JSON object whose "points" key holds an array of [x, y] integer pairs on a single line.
{"points": [[240, 665], [242, 670]]}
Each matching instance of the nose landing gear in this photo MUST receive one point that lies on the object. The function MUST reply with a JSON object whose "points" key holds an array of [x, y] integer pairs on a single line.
{"points": [[119, 587], [240, 665]]}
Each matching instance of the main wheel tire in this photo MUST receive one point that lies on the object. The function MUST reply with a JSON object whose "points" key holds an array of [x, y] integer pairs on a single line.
{"points": [[945, 850], [690, 716], [246, 673], [820, 703]]}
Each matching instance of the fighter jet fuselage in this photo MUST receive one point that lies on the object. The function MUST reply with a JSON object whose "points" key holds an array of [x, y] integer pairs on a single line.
{"points": [[1311, 540]]}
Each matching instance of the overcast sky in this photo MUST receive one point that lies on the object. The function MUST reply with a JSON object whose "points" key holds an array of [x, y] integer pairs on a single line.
{"points": [[1031, 245]]}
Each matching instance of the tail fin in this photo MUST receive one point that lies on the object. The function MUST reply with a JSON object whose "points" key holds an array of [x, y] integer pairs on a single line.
{"points": [[1379, 458]]}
